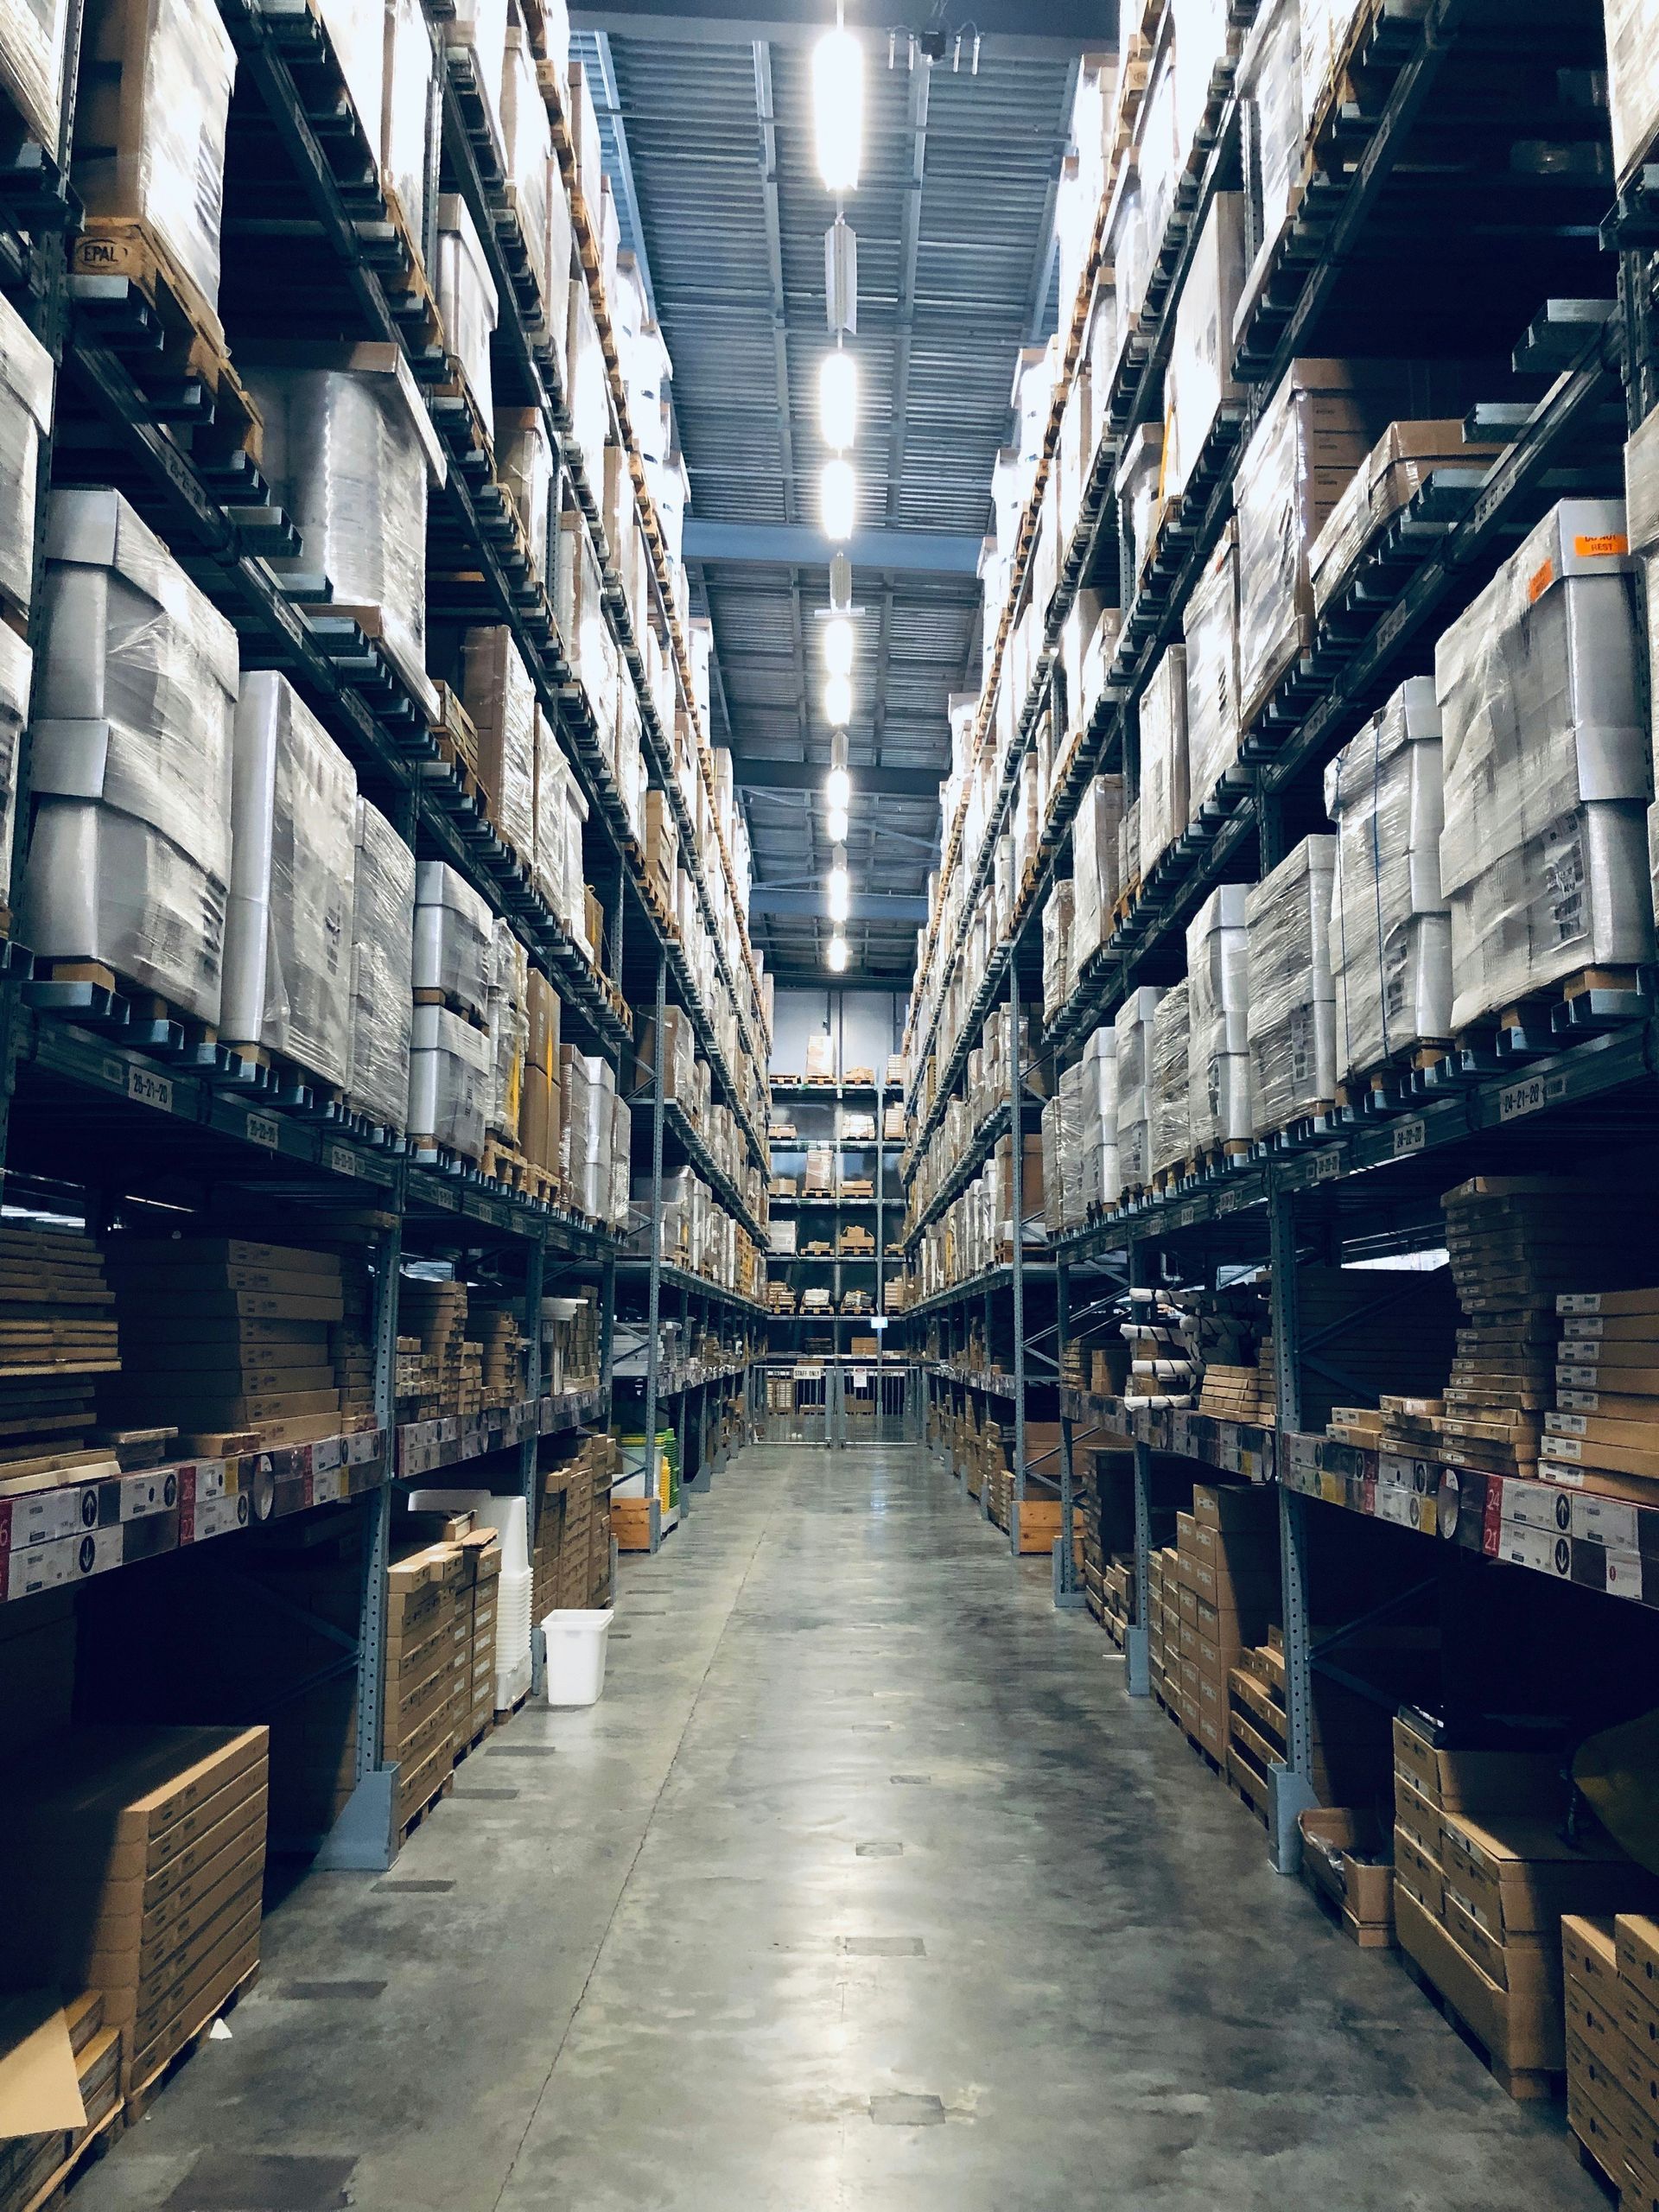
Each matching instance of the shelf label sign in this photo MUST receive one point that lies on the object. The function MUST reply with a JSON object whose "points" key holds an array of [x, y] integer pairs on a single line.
{"points": [[1537, 1092], [342, 1161], [265, 1129], [1325, 1166], [150, 1089], [1408, 1137]]}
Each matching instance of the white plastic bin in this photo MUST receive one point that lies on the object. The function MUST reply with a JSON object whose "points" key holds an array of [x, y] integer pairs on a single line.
{"points": [[575, 1654]]}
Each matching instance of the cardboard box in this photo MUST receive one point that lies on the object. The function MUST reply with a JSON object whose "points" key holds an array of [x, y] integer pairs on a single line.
{"points": [[1457, 1780], [1524, 2030]]}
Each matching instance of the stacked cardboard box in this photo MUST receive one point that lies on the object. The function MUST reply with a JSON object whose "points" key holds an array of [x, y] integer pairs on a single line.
{"points": [[1611, 1989], [1484, 1873], [1164, 1626], [1343, 1860], [57, 1333], [29, 2164], [1227, 1577], [429, 1656], [226, 1338], [141, 1853], [435, 1313], [1603, 1429]]}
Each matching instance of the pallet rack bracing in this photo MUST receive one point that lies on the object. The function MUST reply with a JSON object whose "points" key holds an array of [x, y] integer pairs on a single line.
{"points": [[112, 1103], [1364, 1176]]}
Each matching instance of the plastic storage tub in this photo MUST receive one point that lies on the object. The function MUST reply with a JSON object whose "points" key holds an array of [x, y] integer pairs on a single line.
{"points": [[575, 1654]]}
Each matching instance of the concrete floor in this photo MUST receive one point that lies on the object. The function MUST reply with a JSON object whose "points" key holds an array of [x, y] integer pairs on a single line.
{"points": [[865, 1886]]}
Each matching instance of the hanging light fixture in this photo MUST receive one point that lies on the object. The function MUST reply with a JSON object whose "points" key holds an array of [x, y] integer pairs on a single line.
{"points": [[838, 701], [838, 108], [838, 646], [837, 956], [837, 500], [836, 823], [839, 887], [838, 785], [838, 400]]}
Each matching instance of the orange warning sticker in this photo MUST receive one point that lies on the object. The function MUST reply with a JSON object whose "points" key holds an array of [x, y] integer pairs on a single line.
{"points": [[1611, 544], [1540, 581]]}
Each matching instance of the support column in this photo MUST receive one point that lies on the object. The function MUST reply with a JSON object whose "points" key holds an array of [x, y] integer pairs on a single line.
{"points": [[1138, 1642], [1293, 1786], [654, 1294], [1016, 1084], [1068, 1596], [529, 1450]]}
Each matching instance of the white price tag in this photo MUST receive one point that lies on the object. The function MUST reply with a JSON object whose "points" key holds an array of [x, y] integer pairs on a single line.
{"points": [[150, 1089]]}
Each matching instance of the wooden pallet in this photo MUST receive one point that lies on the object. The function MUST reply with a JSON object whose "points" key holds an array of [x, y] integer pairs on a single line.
{"points": [[191, 347], [461, 418], [1399, 1067], [142, 2095], [1367, 1934], [406, 1828], [53, 2191], [1526, 2084]]}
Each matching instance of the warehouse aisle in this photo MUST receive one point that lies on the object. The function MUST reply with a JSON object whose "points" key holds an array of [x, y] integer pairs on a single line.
{"points": [[865, 1887]]}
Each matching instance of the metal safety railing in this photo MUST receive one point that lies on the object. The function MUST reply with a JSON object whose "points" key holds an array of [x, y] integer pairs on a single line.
{"points": [[839, 1401]]}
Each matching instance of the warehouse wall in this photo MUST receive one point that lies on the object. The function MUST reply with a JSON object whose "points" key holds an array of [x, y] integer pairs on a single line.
{"points": [[869, 1023]]}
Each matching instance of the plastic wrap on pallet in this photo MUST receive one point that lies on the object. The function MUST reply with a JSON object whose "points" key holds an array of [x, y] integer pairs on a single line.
{"points": [[406, 91], [1201, 31], [32, 34], [1070, 1094], [1159, 160], [481, 26], [509, 1030], [453, 927], [1548, 766], [1391, 475], [1211, 639], [586, 400], [1168, 1104], [1132, 1028], [448, 1080], [357, 32], [151, 112], [1293, 1010], [1199, 380], [467, 297], [288, 923], [523, 464], [1096, 878], [1218, 977], [16, 672], [1053, 1196], [350, 450], [528, 147], [549, 864], [25, 417], [1390, 927], [1056, 950], [501, 697], [1140, 487], [1126, 253], [1099, 1117], [1270, 85], [383, 961], [135, 692], [1326, 28], [1162, 798], [1632, 82]]}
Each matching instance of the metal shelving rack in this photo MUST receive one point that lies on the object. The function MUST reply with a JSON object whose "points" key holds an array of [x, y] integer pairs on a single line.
{"points": [[98, 1102], [1585, 367]]}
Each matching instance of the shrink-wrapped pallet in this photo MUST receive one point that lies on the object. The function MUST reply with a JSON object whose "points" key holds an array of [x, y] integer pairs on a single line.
{"points": [[1163, 795], [1211, 643], [453, 930], [1641, 514], [528, 145], [405, 98], [467, 298], [357, 31], [1098, 1118], [1390, 928], [1132, 1028], [1167, 1083], [288, 926], [1095, 871], [1292, 1008], [1632, 83], [501, 697], [17, 674], [32, 34], [1270, 89], [523, 466], [1056, 950], [1070, 1094], [135, 694], [509, 1031], [150, 113], [1199, 381], [448, 1080], [26, 377], [480, 26], [1549, 768], [351, 450], [382, 956], [1218, 977], [1396, 468]]}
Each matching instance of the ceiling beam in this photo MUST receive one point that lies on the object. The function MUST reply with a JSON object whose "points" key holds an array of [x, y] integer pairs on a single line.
{"points": [[1032, 28], [904, 552], [890, 982], [808, 776], [910, 247], [866, 905]]}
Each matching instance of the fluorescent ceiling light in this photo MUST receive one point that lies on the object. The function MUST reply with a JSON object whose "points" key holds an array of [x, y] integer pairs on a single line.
{"points": [[837, 500], [838, 108], [838, 701], [836, 824], [838, 401], [837, 954], [838, 788], [838, 646]]}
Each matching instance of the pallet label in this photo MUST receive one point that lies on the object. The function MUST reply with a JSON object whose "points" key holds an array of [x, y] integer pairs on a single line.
{"points": [[341, 1159], [150, 1089], [1529, 1097], [265, 1129], [1408, 1137]]}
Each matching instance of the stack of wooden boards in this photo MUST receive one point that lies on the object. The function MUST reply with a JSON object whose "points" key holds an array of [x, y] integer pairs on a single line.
{"points": [[227, 1338], [441, 1656], [57, 1334], [140, 1851], [1484, 1868]]}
